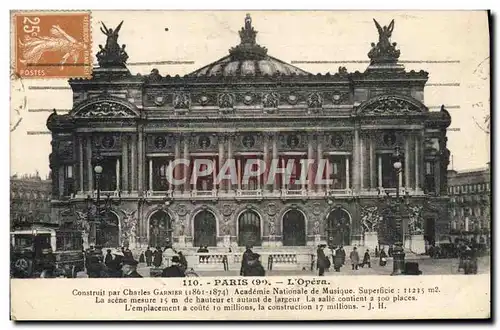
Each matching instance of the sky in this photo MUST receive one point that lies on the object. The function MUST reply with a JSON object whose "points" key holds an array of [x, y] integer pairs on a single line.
{"points": [[452, 46]]}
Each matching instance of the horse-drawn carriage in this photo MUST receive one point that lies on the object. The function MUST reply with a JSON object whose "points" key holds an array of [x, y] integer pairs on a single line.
{"points": [[46, 252]]}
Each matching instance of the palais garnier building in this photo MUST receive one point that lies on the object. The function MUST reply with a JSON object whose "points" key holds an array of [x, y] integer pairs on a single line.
{"points": [[111, 153]]}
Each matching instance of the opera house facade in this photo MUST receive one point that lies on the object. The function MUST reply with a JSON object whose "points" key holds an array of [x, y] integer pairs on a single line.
{"points": [[368, 139]]}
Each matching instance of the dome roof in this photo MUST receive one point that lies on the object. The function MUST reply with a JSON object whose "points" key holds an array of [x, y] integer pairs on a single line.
{"points": [[247, 59]]}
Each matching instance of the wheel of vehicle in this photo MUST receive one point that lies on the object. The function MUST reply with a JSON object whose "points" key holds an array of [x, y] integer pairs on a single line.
{"points": [[23, 267]]}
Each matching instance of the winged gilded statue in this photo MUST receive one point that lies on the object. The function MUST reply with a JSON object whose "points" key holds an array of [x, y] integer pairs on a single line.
{"points": [[33, 48], [112, 37], [384, 34]]}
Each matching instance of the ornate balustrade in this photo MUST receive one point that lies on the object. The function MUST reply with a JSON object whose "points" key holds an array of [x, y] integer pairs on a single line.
{"points": [[286, 260], [254, 194]]}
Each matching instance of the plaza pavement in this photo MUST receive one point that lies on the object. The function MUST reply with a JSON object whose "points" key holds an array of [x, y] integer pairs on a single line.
{"points": [[426, 265]]}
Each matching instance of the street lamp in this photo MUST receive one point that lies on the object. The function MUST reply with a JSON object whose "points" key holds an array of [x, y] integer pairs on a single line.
{"points": [[98, 172], [398, 253]]}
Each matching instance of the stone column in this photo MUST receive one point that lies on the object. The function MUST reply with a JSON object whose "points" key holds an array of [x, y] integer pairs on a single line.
{"points": [[355, 161], [230, 157], [319, 157], [347, 173], [239, 173], [141, 159], [310, 172], [90, 170], [118, 186], [266, 160], [81, 164], [417, 160], [133, 163], [379, 171], [361, 163], [407, 162], [327, 169], [214, 174], [125, 164], [187, 186], [177, 155], [372, 165], [150, 177], [284, 183], [221, 161], [275, 158]]}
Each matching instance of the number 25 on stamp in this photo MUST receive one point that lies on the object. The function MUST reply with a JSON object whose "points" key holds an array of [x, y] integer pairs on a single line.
{"points": [[52, 44]]}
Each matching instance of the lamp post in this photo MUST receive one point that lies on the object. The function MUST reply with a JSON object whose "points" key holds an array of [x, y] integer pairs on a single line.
{"points": [[398, 250], [98, 220]]}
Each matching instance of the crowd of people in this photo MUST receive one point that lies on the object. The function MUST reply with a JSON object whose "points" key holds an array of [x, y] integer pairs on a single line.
{"points": [[121, 262], [338, 256]]}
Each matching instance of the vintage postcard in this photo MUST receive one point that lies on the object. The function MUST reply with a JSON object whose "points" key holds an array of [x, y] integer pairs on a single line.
{"points": [[227, 165]]}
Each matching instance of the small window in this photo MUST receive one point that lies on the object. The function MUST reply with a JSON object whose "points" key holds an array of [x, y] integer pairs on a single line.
{"points": [[69, 171]]}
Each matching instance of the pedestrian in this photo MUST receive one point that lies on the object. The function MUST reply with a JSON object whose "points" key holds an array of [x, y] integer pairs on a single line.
{"points": [[108, 258], [114, 268], [338, 260], [366, 260], [129, 268], [149, 257], [342, 254], [383, 257], [390, 250], [128, 254], [157, 257], [175, 269], [322, 261], [49, 266], [376, 252], [354, 256], [95, 268], [182, 260], [244, 259], [142, 259], [254, 267]]}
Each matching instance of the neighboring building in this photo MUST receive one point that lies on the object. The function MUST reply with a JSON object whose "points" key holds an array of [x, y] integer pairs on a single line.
{"points": [[30, 198], [470, 201], [247, 106]]}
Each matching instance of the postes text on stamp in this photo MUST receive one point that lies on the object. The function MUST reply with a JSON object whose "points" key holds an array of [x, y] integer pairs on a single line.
{"points": [[53, 44]]}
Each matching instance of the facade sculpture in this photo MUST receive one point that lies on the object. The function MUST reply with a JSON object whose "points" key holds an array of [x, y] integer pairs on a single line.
{"points": [[247, 107]]}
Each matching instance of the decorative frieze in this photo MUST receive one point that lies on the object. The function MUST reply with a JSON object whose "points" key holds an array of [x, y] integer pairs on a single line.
{"points": [[341, 141], [270, 100], [181, 101], [160, 142], [292, 141]]}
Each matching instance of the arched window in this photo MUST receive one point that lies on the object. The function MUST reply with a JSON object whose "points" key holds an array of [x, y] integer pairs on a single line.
{"points": [[160, 229], [249, 229], [338, 227], [205, 229], [294, 228]]}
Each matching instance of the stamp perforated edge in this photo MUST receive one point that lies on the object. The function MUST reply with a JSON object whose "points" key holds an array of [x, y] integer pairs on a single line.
{"points": [[13, 44]]}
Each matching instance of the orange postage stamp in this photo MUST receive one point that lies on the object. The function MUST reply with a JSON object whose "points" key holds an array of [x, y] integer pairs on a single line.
{"points": [[52, 44]]}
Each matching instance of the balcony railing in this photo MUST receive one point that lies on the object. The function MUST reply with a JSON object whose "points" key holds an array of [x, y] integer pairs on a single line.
{"points": [[286, 260], [257, 194]]}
